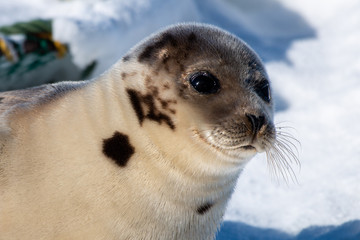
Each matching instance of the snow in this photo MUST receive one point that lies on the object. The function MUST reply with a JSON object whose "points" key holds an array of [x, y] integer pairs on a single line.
{"points": [[311, 51], [320, 83]]}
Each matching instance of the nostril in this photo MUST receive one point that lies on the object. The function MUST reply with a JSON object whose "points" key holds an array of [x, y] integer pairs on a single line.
{"points": [[256, 122]]}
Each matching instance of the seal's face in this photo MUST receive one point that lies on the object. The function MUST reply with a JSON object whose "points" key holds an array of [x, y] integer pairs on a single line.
{"points": [[236, 107], [220, 81]]}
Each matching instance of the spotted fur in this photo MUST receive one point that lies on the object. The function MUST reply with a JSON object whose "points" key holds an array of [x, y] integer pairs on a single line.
{"points": [[141, 102], [118, 148], [204, 208]]}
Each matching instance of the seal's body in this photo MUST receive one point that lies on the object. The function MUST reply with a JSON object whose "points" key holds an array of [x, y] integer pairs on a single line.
{"points": [[151, 149]]}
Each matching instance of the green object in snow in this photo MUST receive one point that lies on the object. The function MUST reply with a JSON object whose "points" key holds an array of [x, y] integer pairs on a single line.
{"points": [[29, 56]]}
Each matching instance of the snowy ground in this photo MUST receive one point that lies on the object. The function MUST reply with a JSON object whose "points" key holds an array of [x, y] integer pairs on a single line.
{"points": [[311, 51]]}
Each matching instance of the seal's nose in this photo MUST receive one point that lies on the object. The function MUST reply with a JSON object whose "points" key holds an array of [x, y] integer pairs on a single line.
{"points": [[256, 122]]}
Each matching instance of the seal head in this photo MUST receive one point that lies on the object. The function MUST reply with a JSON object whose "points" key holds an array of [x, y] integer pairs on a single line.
{"points": [[222, 91]]}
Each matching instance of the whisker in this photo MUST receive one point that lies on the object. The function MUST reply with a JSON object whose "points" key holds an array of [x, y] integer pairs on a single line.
{"points": [[280, 125], [276, 165], [282, 153], [283, 142], [280, 169], [289, 153], [288, 135]]}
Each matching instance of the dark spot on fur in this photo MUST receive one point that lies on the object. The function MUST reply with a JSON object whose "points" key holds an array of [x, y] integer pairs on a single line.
{"points": [[154, 91], [123, 75], [145, 108], [1, 98], [164, 104], [136, 104], [156, 115], [118, 148], [159, 117], [126, 58], [148, 52], [166, 86], [204, 208]]}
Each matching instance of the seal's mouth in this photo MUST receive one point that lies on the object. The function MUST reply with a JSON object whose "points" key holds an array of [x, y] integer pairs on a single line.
{"points": [[227, 150], [248, 147]]}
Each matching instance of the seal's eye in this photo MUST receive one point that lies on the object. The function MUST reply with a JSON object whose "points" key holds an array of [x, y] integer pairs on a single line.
{"points": [[204, 83], [263, 90]]}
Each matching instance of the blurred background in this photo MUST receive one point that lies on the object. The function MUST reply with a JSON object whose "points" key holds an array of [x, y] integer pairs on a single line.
{"points": [[310, 49], [49, 41]]}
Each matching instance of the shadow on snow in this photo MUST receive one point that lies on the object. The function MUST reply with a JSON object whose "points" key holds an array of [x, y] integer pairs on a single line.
{"points": [[241, 231]]}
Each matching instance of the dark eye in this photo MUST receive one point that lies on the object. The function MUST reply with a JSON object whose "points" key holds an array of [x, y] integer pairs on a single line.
{"points": [[263, 90], [204, 83]]}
